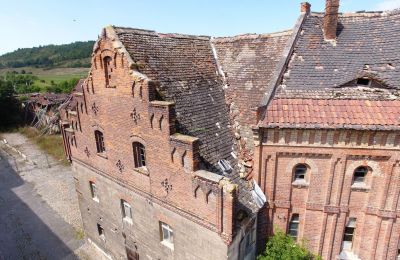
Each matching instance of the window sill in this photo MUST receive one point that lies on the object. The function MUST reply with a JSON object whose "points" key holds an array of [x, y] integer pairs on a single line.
{"points": [[300, 184], [103, 238], [142, 170], [360, 187], [103, 155], [168, 244], [128, 220]]}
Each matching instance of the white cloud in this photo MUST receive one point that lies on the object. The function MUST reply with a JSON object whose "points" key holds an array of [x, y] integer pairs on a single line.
{"points": [[388, 5]]}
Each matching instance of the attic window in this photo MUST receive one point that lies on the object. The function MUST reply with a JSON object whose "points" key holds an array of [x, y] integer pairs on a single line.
{"points": [[225, 166], [363, 81]]}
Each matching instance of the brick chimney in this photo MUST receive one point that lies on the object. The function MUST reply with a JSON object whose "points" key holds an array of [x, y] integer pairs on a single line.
{"points": [[331, 19], [305, 7]]}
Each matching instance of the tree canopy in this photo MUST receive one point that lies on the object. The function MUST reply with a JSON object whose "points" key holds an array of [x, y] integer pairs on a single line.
{"points": [[71, 55], [9, 106]]}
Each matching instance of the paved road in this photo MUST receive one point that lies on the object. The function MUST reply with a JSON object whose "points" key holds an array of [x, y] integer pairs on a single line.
{"points": [[29, 228]]}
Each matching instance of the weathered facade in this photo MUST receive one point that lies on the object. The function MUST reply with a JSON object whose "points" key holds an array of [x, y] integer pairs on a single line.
{"points": [[171, 135], [146, 133]]}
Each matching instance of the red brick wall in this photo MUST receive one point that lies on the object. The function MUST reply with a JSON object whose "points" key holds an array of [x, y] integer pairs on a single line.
{"points": [[125, 112], [326, 203]]}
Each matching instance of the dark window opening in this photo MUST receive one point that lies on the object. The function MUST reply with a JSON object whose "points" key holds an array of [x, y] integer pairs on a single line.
{"points": [[363, 81], [100, 230], [99, 141], [348, 235], [359, 174], [139, 154], [107, 69], [300, 172], [294, 226]]}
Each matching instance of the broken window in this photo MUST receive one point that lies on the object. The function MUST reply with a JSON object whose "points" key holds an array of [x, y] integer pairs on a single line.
{"points": [[139, 154], [294, 226], [107, 69], [93, 191], [126, 211], [349, 234], [300, 171], [99, 141], [359, 174], [100, 230], [167, 235]]}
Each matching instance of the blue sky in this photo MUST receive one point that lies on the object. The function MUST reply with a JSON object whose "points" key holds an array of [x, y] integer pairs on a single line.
{"points": [[28, 23]]}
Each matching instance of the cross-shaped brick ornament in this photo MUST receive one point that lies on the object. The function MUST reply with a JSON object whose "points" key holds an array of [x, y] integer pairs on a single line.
{"points": [[166, 185], [120, 166], [95, 108]]}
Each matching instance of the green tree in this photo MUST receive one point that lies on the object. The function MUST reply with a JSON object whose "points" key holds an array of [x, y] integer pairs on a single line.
{"points": [[283, 247], [10, 108]]}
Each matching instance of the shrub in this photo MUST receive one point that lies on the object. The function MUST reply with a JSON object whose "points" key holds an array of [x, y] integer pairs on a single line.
{"points": [[282, 246]]}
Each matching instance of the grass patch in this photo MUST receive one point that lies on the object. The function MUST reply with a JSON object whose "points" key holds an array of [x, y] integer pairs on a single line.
{"points": [[79, 234], [51, 144]]}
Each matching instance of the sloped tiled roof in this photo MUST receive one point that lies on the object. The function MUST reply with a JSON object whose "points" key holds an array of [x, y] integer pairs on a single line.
{"points": [[249, 62], [333, 113], [186, 69], [366, 42]]}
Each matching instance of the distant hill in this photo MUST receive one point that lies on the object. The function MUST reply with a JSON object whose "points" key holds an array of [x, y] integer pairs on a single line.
{"points": [[73, 55]]}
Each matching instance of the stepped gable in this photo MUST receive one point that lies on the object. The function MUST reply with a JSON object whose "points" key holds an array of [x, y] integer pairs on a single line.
{"points": [[367, 43], [186, 69], [249, 62]]}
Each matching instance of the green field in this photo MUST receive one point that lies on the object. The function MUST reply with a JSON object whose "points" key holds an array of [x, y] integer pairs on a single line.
{"points": [[46, 76]]}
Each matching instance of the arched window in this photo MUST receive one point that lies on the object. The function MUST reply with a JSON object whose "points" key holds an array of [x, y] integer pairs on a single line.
{"points": [[99, 141], [139, 154], [300, 171], [107, 69], [294, 226], [359, 174]]}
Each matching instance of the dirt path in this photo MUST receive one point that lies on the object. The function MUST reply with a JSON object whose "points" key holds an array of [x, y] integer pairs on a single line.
{"points": [[39, 212]]}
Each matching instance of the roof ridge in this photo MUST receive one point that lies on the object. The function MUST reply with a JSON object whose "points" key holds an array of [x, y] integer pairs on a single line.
{"points": [[362, 13], [252, 36], [120, 29]]}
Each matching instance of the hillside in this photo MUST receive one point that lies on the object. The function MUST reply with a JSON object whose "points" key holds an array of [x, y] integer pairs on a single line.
{"points": [[71, 55]]}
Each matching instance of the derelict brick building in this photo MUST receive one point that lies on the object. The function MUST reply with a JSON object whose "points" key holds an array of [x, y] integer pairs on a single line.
{"points": [[171, 135]]}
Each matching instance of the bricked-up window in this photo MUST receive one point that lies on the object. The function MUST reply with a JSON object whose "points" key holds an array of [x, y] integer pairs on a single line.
{"points": [[300, 171], [294, 226], [93, 191], [100, 230], [139, 154], [126, 211], [107, 61], [349, 234], [359, 174], [167, 235], [99, 141]]}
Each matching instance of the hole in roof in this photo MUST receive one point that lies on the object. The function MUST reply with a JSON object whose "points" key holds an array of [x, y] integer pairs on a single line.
{"points": [[363, 81], [390, 65], [225, 166]]}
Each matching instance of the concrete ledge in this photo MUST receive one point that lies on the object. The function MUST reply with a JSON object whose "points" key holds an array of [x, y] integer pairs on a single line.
{"points": [[210, 176]]}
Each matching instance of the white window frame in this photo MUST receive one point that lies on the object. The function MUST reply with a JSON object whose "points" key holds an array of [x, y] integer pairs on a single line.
{"points": [[167, 235], [351, 224], [295, 222], [124, 206], [93, 191]]}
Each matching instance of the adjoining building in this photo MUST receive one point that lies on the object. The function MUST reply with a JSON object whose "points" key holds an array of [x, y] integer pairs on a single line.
{"points": [[174, 139]]}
